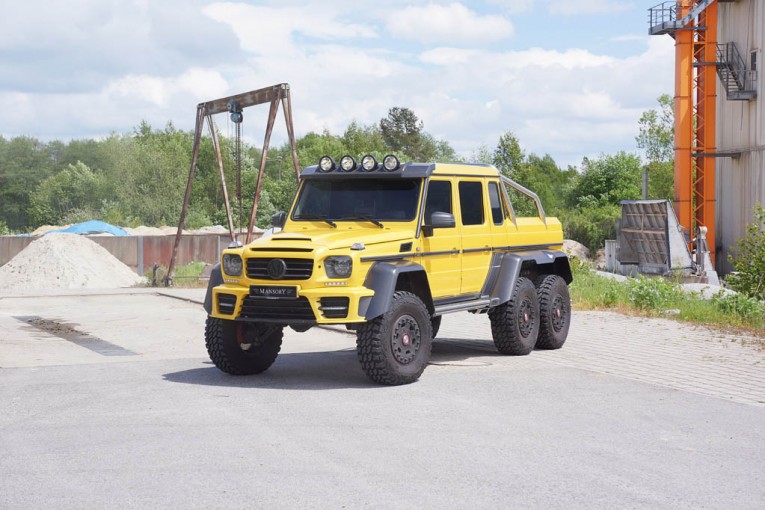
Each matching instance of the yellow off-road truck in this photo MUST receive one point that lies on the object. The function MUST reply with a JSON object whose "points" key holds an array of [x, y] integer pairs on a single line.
{"points": [[387, 249]]}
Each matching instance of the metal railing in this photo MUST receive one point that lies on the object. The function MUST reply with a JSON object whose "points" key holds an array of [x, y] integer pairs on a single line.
{"points": [[740, 83]]}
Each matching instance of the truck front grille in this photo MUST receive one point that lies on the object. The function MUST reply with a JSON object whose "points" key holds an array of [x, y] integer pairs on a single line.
{"points": [[297, 269]]}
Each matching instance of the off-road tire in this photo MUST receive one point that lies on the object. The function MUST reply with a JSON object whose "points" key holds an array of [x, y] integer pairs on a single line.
{"points": [[394, 348], [225, 340], [435, 324], [515, 324], [554, 311]]}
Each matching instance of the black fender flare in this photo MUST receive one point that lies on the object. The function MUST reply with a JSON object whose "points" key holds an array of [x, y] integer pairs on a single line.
{"points": [[382, 279], [547, 261], [216, 278]]}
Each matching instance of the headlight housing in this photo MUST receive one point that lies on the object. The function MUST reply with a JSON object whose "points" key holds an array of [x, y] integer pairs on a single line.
{"points": [[232, 264], [338, 267]]}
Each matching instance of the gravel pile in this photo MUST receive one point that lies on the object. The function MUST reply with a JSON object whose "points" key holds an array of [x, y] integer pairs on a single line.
{"points": [[66, 261]]}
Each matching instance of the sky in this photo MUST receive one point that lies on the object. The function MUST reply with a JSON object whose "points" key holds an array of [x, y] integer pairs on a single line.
{"points": [[570, 78]]}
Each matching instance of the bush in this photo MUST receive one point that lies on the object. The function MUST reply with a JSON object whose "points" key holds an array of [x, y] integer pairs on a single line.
{"points": [[4, 228], [591, 225], [748, 259], [653, 293], [745, 307]]}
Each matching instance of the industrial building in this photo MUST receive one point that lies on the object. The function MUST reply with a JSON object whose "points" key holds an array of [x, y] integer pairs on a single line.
{"points": [[719, 115]]}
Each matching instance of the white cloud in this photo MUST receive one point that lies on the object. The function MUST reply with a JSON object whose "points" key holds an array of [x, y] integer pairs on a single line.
{"points": [[272, 30], [343, 60], [452, 24], [157, 92], [577, 7]]}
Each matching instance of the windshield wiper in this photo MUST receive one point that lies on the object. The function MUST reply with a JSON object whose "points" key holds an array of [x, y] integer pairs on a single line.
{"points": [[316, 217], [363, 217]]}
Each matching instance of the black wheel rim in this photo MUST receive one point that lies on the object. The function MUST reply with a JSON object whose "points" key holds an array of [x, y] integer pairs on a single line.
{"points": [[405, 340], [559, 314], [525, 317], [248, 337]]}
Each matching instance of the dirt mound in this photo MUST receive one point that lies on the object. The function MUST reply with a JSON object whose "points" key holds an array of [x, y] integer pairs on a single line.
{"points": [[65, 261]]}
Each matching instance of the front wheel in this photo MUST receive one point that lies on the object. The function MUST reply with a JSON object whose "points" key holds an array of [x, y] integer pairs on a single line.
{"points": [[242, 348], [394, 348]]}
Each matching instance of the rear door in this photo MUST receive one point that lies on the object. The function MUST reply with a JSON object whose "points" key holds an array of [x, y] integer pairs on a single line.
{"points": [[476, 234]]}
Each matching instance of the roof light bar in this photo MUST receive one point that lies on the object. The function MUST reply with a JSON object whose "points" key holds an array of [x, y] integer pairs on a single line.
{"points": [[327, 164], [368, 163], [347, 164], [391, 163]]}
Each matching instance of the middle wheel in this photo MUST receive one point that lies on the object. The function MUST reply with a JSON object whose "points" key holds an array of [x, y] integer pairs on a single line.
{"points": [[394, 348], [515, 324]]}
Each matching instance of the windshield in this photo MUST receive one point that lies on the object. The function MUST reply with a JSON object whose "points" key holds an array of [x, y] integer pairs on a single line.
{"points": [[358, 199]]}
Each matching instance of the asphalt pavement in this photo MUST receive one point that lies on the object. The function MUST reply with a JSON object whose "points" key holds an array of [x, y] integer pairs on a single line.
{"points": [[108, 399]]}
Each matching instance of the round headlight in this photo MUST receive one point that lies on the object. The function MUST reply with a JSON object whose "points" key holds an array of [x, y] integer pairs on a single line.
{"points": [[338, 267], [391, 162], [348, 164], [232, 264], [326, 164], [368, 163]]}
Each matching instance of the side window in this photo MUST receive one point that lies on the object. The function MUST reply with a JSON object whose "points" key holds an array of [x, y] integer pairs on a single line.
{"points": [[471, 203], [497, 212], [439, 199]]}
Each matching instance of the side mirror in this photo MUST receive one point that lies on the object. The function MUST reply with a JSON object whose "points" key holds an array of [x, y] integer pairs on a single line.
{"points": [[279, 219], [442, 220]]}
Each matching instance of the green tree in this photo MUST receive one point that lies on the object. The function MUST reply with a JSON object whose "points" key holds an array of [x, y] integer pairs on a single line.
{"points": [[76, 188], [24, 163], [402, 132], [657, 138], [508, 155], [607, 180]]}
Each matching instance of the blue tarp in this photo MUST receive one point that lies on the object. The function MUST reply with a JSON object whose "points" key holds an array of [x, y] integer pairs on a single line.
{"points": [[93, 227]]}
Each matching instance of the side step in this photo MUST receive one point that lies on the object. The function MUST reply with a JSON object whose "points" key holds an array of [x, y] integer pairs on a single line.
{"points": [[462, 306]]}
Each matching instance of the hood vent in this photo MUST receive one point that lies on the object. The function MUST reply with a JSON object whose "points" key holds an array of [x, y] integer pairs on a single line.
{"points": [[271, 248]]}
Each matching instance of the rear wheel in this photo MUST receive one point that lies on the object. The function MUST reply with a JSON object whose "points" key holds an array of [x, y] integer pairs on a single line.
{"points": [[242, 348], [394, 348], [515, 324], [554, 311]]}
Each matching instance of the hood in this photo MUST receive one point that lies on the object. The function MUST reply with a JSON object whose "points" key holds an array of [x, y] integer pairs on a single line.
{"points": [[333, 238]]}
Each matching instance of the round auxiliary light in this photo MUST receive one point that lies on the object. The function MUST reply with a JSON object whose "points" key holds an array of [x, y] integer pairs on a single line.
{"points": [[326, 164], [391, 163], [368, 163], [348, 164]]}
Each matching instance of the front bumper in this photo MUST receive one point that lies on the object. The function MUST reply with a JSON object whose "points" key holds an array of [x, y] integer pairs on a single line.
{"points": [[325, 305]]}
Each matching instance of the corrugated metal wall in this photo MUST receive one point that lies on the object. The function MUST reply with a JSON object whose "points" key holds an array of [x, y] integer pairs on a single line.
{"points": [[740, 126]]}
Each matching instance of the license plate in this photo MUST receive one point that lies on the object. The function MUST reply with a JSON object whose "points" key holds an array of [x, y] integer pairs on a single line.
{"points": [[273, 291]]}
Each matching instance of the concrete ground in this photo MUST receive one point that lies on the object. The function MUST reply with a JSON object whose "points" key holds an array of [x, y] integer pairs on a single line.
{"points": [[108, 399]]}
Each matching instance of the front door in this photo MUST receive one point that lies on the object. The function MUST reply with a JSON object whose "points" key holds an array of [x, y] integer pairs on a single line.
{"points": [[441, 249]]}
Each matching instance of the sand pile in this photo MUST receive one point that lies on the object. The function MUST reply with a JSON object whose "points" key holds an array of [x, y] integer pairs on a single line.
{"points": [[65, 261]]}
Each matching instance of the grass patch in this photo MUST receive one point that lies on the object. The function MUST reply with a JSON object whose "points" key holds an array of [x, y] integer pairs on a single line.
{"points": [[186, 276], [657, 297]]}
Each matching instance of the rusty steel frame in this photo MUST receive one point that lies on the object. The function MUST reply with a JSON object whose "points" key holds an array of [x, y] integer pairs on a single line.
{"points": [[695, 96], [274, 95]]}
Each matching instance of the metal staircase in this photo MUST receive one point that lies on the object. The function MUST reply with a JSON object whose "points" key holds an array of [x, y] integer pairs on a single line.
{"points": [[739, 82]]}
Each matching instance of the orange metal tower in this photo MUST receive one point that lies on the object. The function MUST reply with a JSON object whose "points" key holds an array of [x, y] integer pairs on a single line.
{"points": [[693, 24]]}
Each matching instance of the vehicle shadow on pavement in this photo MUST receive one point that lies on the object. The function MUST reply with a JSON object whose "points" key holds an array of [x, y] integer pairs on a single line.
{"points": [[292, 371], [448, 351]]}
